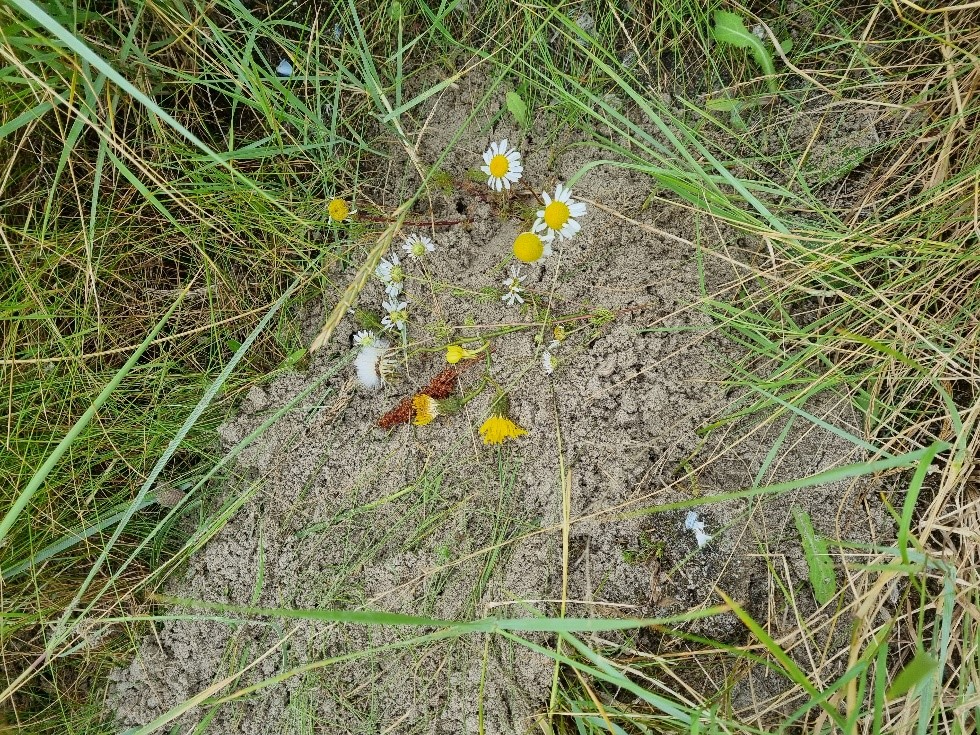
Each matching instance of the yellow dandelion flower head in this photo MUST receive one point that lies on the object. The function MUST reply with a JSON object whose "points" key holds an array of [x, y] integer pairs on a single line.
{"points": [[338, 210], [497, 428], [457, 353], [426, 409]]}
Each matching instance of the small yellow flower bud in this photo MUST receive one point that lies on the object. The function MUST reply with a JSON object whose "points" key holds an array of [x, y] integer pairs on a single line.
{"points": [[456, 353]]}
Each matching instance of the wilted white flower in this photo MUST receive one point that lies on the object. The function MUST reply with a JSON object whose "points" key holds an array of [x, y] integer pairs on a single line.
{"points": [[396, 314], [416, 246], [548, 362], [514, 288], [373, 365], [558, 215], [503, 167]]}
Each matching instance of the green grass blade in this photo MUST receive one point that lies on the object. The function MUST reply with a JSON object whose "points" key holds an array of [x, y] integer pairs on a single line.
{"points": [[819, 564], [25, 495], [912, 496], [788, 666], [172, 447], [914, 672]]}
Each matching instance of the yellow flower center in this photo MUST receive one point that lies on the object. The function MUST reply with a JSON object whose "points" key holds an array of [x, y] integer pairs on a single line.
{"points": [[338, 210], [556, 215], [426, 409], [499, 166], [528, 247]]}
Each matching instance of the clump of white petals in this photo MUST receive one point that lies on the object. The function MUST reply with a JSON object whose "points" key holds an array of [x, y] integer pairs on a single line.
{"points": [[373, 365], [514, 287], [691, 523], [548, 362]]}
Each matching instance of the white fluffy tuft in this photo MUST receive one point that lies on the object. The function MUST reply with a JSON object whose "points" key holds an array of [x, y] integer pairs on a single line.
{"points": [[371, 365]]}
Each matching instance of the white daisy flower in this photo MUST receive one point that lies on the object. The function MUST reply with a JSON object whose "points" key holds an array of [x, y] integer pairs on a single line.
{"points": [[365, 338], [392, 274], [373, 365], [514, 288], [416, 246], [397, 314], [503, 167], [691, 523], [558, 215]]}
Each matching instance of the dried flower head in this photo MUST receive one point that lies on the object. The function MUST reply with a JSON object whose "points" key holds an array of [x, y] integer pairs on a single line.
{"points": [[400, 414], [443, 384]]}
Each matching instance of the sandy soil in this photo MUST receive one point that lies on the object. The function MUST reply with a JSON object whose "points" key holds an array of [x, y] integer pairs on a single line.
{"points": [[428, 521]]}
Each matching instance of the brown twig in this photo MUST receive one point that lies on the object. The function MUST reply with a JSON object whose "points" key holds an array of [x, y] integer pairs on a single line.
{"points": [[415, 223]]}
